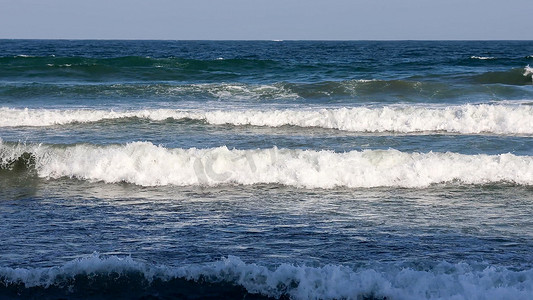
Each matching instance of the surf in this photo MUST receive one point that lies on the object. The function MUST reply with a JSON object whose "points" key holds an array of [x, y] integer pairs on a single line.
{"points": [[146, 164], [464, 119], [127, 277]]}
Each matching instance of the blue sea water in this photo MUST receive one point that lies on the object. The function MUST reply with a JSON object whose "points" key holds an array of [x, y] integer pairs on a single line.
{"points": [[266, 169]]}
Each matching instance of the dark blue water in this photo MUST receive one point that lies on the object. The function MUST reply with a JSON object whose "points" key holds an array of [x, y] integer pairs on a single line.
{"points": [[292, 169]]}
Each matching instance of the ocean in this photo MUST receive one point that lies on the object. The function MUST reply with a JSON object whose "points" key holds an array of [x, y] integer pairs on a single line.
{"points": [[266, 169]]}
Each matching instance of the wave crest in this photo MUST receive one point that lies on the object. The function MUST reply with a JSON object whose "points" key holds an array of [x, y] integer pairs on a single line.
{"points": [[444, 280], [482, 57], [466, 119], [528, 71], [518, 76], [145, 164]]}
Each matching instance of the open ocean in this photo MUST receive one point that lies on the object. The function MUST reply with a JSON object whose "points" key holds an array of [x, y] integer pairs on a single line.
{"points": [[266, 169]]}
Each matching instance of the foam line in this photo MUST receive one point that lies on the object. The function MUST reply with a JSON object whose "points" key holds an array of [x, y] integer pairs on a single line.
{"points": [[145, 164], [466, 119], [443, 281]]}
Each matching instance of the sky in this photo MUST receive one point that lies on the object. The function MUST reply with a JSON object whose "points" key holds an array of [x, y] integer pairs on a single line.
{"points": [[268, 19]]}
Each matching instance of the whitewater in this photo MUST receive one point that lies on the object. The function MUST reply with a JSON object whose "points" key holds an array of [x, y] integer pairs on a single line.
{"points": [[146, 164], [467, 119], [446, 281]]}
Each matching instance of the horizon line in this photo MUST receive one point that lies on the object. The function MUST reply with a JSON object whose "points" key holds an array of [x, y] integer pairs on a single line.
{"points": [[268, 40]]}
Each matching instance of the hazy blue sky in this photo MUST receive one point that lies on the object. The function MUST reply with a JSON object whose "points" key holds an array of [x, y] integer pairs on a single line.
{"points": [[267, 19]]}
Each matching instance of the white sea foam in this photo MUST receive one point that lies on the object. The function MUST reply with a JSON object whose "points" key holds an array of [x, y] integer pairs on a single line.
{"points": [[467, 119], [443, 281], [528, 71], [482, 57], [236, 91], [143, 163]]}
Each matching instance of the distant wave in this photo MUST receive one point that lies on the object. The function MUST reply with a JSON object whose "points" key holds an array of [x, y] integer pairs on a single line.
{"points": [[131, 68], [466, 119], [215, 69], [209, 91], [352, 90], [231, 277], [162, 83], [506, 85], [482, 57], [129, 61], [170, 68], [145, 164], [528, 71], [517, 76]]}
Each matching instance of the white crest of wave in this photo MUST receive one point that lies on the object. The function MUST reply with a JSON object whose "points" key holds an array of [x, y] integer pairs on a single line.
{"points": [[482, 57], [444, 281], [143, 163], [528, 71], [467, 119]]}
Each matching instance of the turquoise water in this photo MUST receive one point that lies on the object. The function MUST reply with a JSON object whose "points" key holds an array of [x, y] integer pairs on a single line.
{"points": [[302, 170]]}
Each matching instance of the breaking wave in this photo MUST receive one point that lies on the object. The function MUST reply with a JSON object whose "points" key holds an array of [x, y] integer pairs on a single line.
{"points": [[528, 71], [518, 76], [482, 57], [145, 164], [466, 119], [125, 278]]}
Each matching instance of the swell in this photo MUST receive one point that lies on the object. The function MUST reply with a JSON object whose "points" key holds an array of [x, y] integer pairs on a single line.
{"points": [[207, 91], [347, 90], [129, 61], [145, 164], [465, 119], [135, 68], [129, 67], [517, 76], [125, 278]]}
